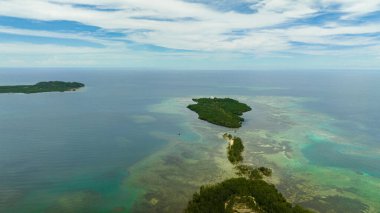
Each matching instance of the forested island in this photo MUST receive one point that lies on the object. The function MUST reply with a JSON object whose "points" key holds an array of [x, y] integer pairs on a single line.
{"points": [[248, 192], [220, 111], [48, 86]]}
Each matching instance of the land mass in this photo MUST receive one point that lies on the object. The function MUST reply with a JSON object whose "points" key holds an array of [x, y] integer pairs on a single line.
{"points": [[48, 86], [220, 111], [247, 193], [241, 195]]}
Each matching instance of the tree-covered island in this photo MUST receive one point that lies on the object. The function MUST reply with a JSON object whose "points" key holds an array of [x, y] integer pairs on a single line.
{"points": [[234, 149], [220, 111], [48, 86], [241, 195]]}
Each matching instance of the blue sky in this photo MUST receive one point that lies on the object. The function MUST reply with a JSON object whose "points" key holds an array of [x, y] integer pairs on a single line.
{"points": [[191, 34]]}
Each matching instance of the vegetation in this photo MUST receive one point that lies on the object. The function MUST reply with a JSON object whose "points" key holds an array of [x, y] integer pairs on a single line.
{"points": [[251, 172], [50, 86], [227, 136], [234, 151], [248, 193], [220, 111], [257, 194], [265, 171]]}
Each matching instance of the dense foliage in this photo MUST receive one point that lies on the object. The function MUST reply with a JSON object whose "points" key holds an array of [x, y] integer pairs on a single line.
{"points": [[220, 111], [214, 198], [234, 151], [50, 86]]}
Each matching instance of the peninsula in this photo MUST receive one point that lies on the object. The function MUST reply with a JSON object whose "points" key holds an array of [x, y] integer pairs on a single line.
{"points": [[48, 86], [220, 111]]}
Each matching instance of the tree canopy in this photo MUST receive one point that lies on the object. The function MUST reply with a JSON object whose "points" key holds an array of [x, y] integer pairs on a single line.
{"points": [[48, 86], [220, 111]]}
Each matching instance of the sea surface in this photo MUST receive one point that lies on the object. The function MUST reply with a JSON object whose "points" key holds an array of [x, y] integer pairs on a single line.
{"points": [[127, 143]]}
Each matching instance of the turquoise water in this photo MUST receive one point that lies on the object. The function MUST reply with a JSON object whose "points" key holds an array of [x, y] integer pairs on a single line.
{"points": [[326, 153], [64, 152]]}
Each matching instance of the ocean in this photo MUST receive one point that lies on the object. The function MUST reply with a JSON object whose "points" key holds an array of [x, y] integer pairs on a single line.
{"points": [[127, 143]]}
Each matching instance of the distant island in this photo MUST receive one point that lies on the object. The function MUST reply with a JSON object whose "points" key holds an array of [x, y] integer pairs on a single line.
{"points": [[48, 86], [220, 111], [248, 192]]}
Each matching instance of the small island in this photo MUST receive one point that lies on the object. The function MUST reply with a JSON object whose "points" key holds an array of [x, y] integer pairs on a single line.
{"points": [[234, 149], [220, 111], [48, 86]]}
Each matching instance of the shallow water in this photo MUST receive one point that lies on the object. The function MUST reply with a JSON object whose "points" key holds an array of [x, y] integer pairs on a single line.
{"points": [[330, 154], [114, 145]]}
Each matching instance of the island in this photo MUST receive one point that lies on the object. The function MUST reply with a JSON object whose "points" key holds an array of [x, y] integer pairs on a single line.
{"points": [[234, 149], [248, 192], [220, 111], [241, 195], [48, 86]]}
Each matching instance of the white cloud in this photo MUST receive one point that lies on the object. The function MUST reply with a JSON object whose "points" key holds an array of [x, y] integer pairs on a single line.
{"points": [[206, 33], [198, 27], [354, 8]]}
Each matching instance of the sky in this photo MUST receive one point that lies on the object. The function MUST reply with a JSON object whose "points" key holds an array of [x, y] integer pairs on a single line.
{"points": [[191, 34]]}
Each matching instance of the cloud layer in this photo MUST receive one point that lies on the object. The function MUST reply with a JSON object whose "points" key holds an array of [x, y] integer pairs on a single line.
{"points": [[192, 28]]}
